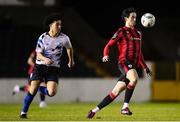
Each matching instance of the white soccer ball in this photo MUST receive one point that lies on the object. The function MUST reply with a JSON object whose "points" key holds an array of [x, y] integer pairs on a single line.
{"points": [[148, 20]]}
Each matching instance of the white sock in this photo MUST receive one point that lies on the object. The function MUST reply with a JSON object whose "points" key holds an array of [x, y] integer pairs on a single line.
{"points": [[95, 109], [23, 113], [125, 105], [16, 88]]}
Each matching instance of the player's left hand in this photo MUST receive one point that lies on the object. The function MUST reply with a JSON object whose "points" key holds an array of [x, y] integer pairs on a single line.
{"points": [[71, 64]]}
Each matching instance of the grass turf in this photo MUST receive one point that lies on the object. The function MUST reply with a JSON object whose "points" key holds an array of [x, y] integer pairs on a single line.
{"points": [[78, 112]]}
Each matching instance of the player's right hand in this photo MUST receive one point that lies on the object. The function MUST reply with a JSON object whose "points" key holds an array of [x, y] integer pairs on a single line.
{"points": [[48, 61], [105, 58]]}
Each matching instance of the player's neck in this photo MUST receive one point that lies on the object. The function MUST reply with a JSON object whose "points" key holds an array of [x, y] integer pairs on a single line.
{"points": [[53, 34], [129, 26]]}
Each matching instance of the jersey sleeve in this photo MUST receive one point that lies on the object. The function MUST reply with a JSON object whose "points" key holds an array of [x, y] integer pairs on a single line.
{"points": [[40, 46], [67, 43], [142, 62], [116, 37]]}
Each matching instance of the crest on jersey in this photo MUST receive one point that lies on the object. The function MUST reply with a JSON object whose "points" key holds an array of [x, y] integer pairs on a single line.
{"points": [[114, 36], [130, 66]]}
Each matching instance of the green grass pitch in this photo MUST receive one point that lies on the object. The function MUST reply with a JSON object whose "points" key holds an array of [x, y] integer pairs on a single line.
{"points": [[78, 112]]}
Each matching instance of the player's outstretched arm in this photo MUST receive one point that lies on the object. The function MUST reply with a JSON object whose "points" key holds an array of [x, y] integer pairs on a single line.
{"points": [[106, 50]]}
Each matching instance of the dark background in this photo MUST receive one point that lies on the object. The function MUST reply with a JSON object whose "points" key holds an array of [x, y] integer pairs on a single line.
{"points": [[20, 27]]}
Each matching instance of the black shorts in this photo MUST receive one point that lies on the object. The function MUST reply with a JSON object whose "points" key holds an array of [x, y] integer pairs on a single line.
{"points": [[124, 67], [45, 73]]}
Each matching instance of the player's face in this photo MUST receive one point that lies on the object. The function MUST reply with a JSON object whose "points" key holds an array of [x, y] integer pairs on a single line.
{"points": [[131, 20], [56, 26]]}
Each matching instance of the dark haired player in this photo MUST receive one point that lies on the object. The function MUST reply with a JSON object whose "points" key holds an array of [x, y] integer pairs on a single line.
{"points": [[48, 54], [129, 40]]}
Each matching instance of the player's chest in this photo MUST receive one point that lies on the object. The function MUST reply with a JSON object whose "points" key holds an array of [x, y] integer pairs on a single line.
{"points": [[132, 37], [53, 44]]}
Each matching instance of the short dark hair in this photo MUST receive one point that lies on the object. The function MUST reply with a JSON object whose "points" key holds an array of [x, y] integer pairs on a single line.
{"points": [[51, 18], [126, 12]]}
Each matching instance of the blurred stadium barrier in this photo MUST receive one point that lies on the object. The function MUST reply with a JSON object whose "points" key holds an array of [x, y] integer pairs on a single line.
{"points": [[76, 90]]}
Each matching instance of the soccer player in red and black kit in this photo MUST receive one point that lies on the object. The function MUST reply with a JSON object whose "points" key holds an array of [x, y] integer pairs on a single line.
{"points": [[129, 40]]}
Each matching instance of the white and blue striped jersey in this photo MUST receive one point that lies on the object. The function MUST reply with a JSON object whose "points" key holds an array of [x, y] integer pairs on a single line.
{"points": [[52, 48]]}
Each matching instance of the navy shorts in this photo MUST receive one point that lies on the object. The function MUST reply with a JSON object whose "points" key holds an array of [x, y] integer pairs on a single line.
{"points": [[45, 73]]}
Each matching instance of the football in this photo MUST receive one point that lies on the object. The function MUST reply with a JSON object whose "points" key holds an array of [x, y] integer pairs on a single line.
{"points": [[148, 20]]}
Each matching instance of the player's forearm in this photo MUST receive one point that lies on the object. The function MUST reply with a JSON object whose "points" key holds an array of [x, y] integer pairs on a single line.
{"points": [[40, 57], [70, 54], [45, 59], [30, 61], [108, 46]]}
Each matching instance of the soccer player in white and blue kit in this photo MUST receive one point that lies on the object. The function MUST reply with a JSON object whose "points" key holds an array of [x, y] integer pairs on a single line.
{"points": [[49, 50]]}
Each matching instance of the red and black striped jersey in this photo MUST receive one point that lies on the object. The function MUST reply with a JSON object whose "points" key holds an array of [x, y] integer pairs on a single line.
{"points": [[129, 45]]}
